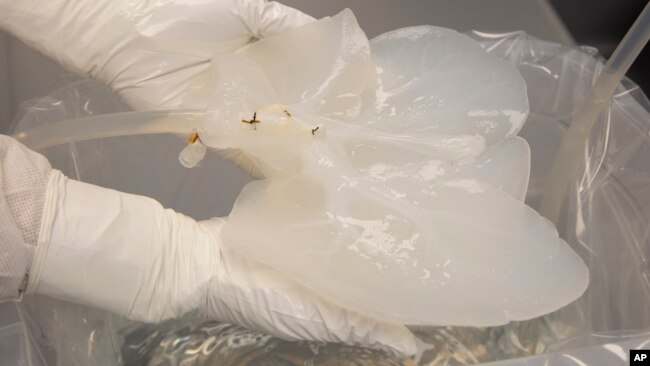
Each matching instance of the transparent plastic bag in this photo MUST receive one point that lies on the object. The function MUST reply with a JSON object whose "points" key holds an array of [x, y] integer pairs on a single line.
{"points": [[605, 219], [16, 345]]}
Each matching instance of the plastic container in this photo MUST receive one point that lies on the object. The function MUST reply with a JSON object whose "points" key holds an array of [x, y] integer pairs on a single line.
{"points": [[606, 215]]}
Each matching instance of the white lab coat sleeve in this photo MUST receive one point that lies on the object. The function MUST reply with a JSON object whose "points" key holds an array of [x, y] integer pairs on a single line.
{"points": [[23, 179]]}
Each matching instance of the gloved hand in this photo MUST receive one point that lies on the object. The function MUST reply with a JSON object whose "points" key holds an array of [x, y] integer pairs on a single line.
{"points": [[127, 254], [147, 51], [152, 53]]}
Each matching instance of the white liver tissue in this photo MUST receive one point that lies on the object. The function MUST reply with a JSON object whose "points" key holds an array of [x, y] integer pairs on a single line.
{"points": [[393, 179]]}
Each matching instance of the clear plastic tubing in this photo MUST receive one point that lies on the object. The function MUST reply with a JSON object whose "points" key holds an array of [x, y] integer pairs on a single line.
{"points": [[182, 122], [563, 172], [567, 161]]}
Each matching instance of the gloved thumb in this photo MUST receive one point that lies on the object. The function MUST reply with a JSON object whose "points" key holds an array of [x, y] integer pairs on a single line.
{"points": [[252, 294]]}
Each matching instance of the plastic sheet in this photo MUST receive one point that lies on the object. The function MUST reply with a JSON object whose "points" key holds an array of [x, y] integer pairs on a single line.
{"points": [[606, 220]]}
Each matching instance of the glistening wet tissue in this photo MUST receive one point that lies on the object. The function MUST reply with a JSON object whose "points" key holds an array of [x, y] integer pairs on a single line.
{"points": [[389, 170]]}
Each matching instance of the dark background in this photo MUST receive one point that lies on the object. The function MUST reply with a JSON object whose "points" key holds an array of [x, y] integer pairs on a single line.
{"points": [[602, 24]]}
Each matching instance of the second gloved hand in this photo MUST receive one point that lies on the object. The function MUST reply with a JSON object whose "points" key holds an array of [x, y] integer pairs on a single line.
{"points": [[127, 254]]}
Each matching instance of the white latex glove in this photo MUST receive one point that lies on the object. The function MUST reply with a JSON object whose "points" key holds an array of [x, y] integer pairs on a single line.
{"points": [[147, 51], [127, 254], [151, 52]]}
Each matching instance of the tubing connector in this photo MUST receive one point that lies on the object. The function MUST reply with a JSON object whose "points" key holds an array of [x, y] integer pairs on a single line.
{"points": [[192, 155]]}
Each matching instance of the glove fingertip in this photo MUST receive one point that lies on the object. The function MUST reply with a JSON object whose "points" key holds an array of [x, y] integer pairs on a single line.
{"points": [[396, 340]]}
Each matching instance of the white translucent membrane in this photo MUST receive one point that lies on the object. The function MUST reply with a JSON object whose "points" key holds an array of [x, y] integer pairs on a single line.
{"points": [[394, 180]]}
